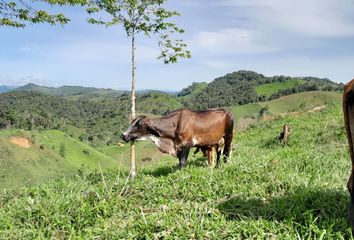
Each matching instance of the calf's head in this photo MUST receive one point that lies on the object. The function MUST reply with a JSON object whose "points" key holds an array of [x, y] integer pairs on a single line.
{"points": [[137, 129]]}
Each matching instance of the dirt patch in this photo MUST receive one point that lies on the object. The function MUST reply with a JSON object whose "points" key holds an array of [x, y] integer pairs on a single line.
{"points": [[22, 142], [317, 108]]}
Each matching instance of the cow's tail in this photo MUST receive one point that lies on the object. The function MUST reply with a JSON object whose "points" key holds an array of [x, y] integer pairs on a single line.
{"points": [[229, 133]]}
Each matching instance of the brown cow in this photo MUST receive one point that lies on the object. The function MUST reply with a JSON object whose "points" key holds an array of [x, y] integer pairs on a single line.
{"points": [[348, 110], [183, 129]]}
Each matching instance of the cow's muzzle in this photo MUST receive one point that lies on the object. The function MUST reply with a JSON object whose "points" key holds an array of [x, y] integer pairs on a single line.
{"points": [[125, 138]]}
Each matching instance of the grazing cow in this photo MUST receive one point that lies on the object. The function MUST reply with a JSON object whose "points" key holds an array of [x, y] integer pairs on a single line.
{"points": [[285, 134], [348, 110], [183, 129]]}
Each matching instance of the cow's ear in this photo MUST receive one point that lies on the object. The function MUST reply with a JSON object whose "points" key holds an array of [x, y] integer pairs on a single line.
{"points": [[152, 129], [137, 120]]}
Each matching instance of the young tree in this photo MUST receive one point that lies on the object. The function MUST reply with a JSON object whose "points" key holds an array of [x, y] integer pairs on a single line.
{"points": [[18, 13], [147, 17]]}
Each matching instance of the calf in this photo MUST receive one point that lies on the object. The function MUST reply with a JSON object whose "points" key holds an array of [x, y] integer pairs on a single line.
{"points": [[285, 134]]}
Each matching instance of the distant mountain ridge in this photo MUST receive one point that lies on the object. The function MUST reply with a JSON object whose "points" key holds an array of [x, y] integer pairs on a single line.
{"points": [[235, 88], [64, 91], [6, 88]]}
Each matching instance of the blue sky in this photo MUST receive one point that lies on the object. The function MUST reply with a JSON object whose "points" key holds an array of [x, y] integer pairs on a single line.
{"points": [[272, 37]]}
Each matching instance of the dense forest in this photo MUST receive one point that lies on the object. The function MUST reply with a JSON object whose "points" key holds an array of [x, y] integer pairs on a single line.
{"points": [[99, 116]]}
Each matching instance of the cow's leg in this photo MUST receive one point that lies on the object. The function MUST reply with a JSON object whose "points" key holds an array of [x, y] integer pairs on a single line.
{"points": [[211, 161], [218, 154], [228, 139], [183, 155]]}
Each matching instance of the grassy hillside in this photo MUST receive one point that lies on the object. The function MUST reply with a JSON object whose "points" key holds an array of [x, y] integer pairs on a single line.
{"points": [[270, 88], [266, 191], [50, 154], [47, 162], [157, 103], [300, 102]]}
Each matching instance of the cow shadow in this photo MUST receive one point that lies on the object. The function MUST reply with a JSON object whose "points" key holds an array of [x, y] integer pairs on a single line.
{"points": [[166, 170], [327, 208], [161, 171], [197, 161]]}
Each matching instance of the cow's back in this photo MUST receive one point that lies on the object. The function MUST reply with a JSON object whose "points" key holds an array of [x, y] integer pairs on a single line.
{"points": [[203, 127]]}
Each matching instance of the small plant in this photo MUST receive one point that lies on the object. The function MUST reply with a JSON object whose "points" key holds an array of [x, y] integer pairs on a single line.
{"points": [[62, 150], [86, 151]]}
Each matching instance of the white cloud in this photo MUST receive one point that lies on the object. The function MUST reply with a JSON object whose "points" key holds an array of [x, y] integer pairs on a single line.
{"points": [[228, 41], [316, 18]]}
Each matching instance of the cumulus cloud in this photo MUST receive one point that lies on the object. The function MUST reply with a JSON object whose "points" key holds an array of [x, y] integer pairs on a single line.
{"points": [[229, 41], [317, 18], [273, 33]]}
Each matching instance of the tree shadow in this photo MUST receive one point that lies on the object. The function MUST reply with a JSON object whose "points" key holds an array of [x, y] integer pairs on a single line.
{"points": [[328, 208]]}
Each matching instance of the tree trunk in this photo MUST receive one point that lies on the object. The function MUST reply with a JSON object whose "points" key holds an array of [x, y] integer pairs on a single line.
{"points": [[133, 112]]}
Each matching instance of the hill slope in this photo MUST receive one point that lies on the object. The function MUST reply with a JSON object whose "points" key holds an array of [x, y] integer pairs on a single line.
{"points": [[245, 115], [267, 191], [269, 89], [32, 157]]}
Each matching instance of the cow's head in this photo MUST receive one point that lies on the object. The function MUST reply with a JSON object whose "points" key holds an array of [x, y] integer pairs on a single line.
{"points": [[137, 129]]}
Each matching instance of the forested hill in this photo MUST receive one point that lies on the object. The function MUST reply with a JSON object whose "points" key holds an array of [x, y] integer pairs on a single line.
{"points": [[99, 122], [236, 88], [243, 87]]}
